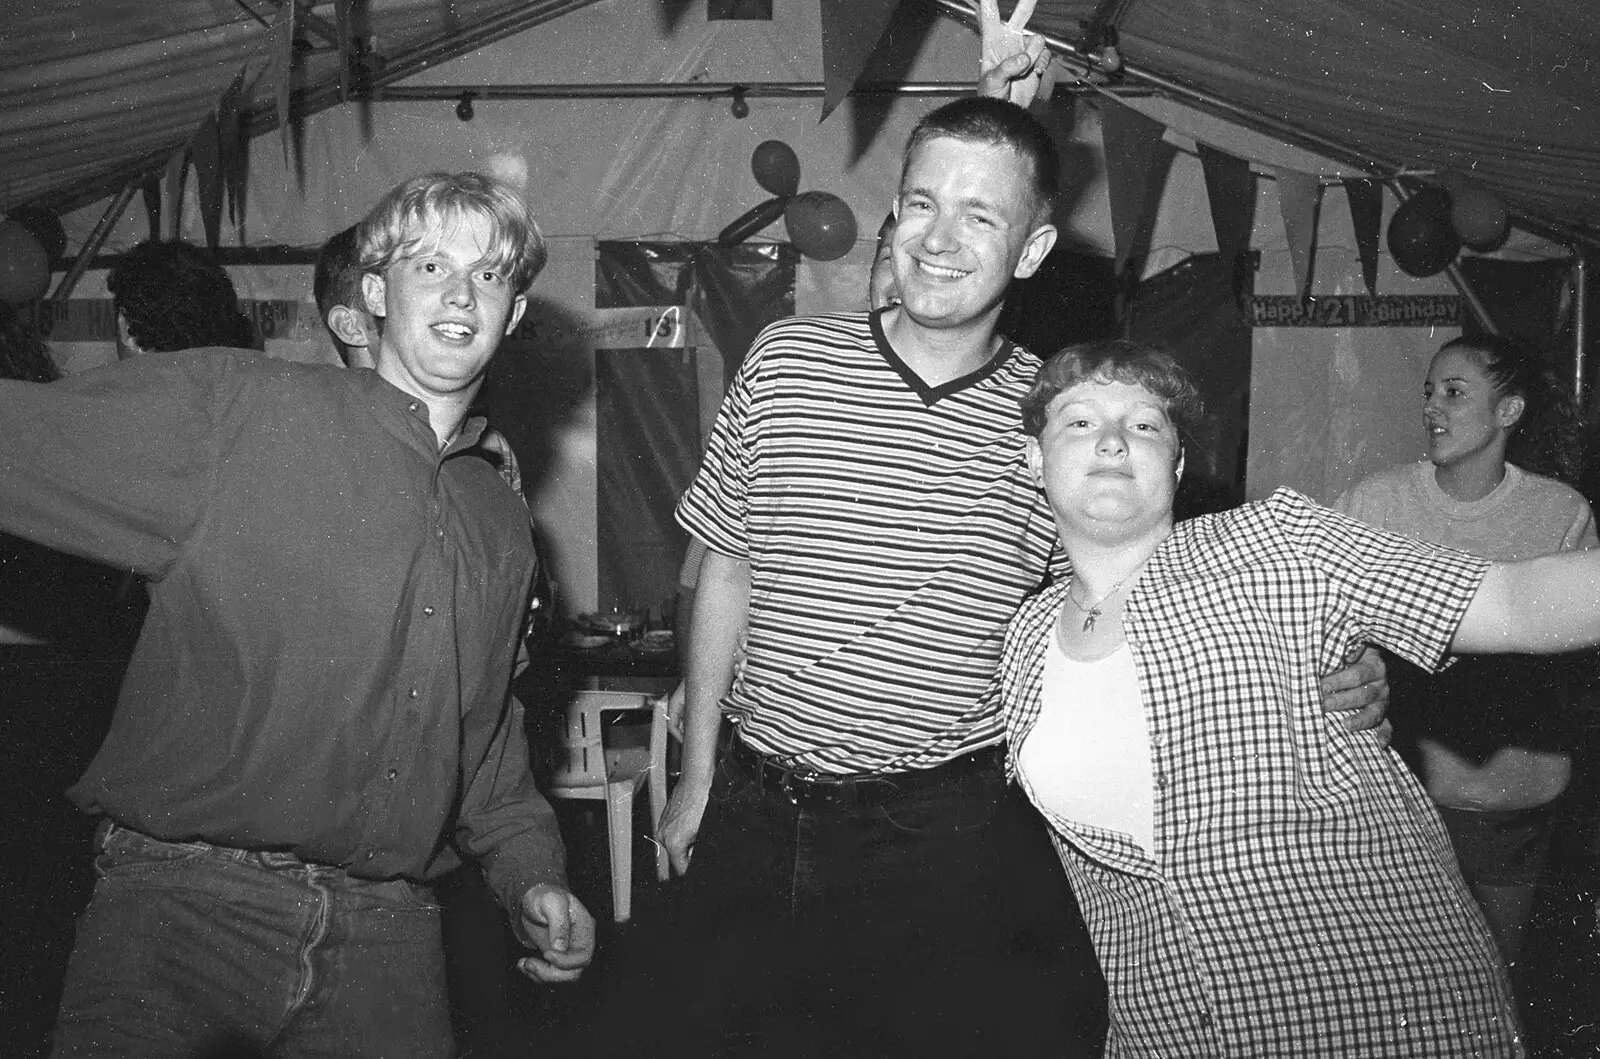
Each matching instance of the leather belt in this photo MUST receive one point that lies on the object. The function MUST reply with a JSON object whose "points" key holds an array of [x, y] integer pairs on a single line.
{"points": [[826, 790]]}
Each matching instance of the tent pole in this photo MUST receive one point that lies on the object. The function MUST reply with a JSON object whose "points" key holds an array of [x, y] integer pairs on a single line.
{"points": [[1580, 321], [97, 237]]}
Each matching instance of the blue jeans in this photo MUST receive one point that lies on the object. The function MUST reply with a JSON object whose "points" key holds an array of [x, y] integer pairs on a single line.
{"points": [[881, 930], [193, 950]]}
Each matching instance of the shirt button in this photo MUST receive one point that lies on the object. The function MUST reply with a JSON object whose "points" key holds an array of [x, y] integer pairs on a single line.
{"points": [[439, 533], [1205, 1019], [392, 773], [412, 407], [413, 694], [1161, 782], [428, 611]]}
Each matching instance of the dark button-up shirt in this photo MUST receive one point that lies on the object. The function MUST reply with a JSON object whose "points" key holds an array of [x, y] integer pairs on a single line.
{"points": [[334, 611]]}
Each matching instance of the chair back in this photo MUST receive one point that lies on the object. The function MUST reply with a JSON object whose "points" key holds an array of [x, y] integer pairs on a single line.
{"points": [[580, 759]]}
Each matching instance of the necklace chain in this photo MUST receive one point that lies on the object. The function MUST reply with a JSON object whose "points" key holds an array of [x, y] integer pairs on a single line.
{"points": [[1092, 610]]}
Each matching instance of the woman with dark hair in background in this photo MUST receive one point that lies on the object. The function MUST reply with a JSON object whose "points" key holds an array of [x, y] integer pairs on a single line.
{"points": [[1490, 737], [60, 666]]}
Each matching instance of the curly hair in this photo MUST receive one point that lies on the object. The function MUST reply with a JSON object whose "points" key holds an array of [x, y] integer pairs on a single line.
{"points": [[1116, 360], [1548, 438], [23, 354], [173, 295]]}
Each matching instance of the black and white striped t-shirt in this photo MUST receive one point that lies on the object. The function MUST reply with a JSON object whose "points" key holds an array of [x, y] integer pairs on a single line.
{"points": [[891, 528]]}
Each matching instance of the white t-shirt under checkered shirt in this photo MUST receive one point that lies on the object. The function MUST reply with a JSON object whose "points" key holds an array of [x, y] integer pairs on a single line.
{"points": [[1303, 898], [891, 528]]}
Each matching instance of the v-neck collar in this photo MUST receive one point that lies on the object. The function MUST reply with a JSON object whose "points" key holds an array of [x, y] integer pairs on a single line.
{"points": [[931, 395]]}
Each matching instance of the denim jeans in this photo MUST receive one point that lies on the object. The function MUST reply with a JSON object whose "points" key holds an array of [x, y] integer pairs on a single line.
{"points": [[883, 930], [192, 950]]}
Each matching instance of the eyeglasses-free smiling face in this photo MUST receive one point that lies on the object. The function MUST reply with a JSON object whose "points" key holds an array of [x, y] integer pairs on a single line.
{"points": [[965, 229], [1109, 459], [444, 310]]}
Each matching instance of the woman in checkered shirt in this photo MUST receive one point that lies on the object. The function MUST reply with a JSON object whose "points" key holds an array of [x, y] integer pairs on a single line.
{"points": [[1258, 880]]}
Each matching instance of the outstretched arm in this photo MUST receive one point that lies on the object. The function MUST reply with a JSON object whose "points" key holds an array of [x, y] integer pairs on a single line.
{"points": [[1014, 61], [721, 611], [1539, 606]]}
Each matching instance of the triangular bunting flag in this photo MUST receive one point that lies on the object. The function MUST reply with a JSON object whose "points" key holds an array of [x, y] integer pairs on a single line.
{"points": [[208, 177], [1366, 217], [283, 61], [1134, 168], [177, 166], [851, 30], [231, 145], [1231, 190], [1299, 198], [344, 28], [152, 204]]}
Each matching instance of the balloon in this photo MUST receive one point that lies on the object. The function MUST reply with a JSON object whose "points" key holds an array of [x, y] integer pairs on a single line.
{"points": [[45, 226], [776, 167], [1479, 218], [820, 225], [1421, 240], [24, 265], [752, 221]]}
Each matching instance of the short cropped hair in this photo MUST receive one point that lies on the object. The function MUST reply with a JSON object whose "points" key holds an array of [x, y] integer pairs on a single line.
{"points": [[414, 215], [1116, 360], [176, 296], [337, 279], [995, 122]]}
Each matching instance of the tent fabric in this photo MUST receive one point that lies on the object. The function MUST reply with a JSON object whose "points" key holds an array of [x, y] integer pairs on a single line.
{"points": [[90, 87], [1504, 93]]}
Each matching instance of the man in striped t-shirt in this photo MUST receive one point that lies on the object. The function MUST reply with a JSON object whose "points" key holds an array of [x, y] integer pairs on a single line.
{"points": [[872, 526]]}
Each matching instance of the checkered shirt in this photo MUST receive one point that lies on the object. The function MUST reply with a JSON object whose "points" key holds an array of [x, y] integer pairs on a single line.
{"points": [[1302, 898]]}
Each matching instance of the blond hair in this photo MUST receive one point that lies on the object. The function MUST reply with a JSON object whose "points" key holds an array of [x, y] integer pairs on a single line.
{"points": [[414, 216]]}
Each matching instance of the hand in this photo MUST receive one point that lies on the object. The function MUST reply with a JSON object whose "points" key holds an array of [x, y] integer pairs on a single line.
{"points": [[680, 824], [555, 924], [1014, 61], [1362, 686]]}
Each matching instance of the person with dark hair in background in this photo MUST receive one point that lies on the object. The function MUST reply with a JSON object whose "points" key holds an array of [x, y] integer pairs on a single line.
{"points": [[316, 722], [336, 286], [173, 295], [1491, 737]]}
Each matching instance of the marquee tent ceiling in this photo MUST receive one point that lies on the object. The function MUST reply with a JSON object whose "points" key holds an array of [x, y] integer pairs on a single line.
{"points": [[1507, 91]]}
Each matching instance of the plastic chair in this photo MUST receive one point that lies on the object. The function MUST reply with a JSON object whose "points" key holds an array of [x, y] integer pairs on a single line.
{"points": [[585, 767]]}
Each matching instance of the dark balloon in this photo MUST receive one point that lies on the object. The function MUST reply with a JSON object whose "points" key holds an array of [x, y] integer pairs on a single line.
{"points": [[1421, 239], [752, 221], [820, 225], [1479, 218], [776, 167], [24, 265], [45, 226]]}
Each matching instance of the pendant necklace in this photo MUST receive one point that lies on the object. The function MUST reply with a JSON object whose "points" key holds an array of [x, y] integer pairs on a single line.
{"points": [[1092, 611]]}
